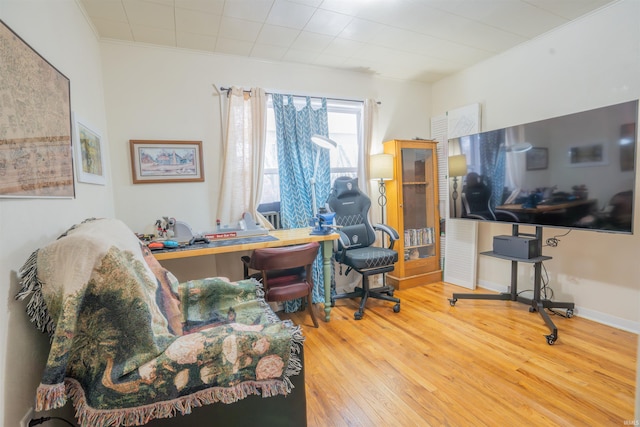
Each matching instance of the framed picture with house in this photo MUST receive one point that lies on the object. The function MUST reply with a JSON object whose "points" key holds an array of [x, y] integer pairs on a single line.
{"points": [[166, 161]]}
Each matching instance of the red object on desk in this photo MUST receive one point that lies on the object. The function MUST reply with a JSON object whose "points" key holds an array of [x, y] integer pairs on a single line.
{"points": [[214, 236]]}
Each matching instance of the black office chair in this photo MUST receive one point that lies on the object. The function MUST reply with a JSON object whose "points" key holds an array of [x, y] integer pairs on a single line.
{"points": [[354, 247], [476, 201]]}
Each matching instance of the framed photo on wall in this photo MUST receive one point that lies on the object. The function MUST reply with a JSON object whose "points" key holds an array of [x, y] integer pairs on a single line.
{"points": [[588, 155], [90, 155], [166, 161], [537, 158]]}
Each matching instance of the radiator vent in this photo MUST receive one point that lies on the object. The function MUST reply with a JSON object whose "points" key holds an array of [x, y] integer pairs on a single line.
{"points": [[274, 218]]}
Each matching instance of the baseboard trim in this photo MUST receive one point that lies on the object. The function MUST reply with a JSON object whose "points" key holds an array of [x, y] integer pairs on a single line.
{"points": [[594, 315]]}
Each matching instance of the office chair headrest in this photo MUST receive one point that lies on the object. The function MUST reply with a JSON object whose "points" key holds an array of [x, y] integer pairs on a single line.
{"points": [[345, 186]]}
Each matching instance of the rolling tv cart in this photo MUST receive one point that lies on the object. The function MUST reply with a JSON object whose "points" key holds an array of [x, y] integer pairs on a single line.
{"points": [[536, 303]]}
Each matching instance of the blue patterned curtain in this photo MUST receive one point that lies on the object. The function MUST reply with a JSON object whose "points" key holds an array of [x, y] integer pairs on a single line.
{"points": [[296, 160], [493, 163]]}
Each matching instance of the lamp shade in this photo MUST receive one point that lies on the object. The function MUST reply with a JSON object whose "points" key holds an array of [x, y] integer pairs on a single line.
{"points": [[518, 147], [381, 166], [458, 165]]}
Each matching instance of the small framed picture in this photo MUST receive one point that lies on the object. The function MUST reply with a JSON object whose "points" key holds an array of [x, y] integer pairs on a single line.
{"points": [[166, 161], [537, 158], [89, 153], [588, 155]]}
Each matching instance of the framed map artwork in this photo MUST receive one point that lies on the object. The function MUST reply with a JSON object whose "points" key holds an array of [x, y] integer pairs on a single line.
{"points": [[35, 125]]}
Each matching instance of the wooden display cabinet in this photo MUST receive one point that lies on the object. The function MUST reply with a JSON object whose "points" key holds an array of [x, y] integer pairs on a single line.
{"points": [[412, 209]]}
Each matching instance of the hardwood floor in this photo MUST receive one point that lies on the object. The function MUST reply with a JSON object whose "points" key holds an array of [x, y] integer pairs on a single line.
{"points": [[478, 363]]}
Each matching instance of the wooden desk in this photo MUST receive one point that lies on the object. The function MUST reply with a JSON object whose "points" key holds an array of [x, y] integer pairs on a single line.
{"points": [[293, 236], [542, 208]]}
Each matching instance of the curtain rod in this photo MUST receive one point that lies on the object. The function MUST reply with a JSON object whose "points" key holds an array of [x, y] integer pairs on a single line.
{"points": [[227, 89]]}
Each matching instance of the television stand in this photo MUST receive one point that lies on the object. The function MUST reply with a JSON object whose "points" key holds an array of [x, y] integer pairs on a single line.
{"points": [[536, 303]]}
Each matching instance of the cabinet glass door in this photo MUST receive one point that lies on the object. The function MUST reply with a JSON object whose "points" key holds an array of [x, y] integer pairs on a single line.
{"points": [[418, 204]]}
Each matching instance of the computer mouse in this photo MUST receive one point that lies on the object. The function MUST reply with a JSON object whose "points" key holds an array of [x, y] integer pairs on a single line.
{"points": [[171, 244], [155, 245]]}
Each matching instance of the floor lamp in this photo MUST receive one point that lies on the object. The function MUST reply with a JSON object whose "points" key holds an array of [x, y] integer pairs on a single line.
{"points": [[457, 167], [321, 142], [381, 170]]}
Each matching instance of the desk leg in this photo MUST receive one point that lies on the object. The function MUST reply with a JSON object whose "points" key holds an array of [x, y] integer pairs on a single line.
{"points": [[327, 250]]}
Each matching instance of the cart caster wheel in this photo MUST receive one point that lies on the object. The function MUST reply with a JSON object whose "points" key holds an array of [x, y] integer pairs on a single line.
{"points": [[452, 301], [396, 308], [551, 339], [569, 313], [357, 315], [531, 309]]}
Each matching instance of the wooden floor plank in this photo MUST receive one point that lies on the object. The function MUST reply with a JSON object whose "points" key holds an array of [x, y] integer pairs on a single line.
{"points": [[480, 362]]}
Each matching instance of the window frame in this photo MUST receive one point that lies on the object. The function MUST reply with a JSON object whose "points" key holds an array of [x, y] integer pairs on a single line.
{"points": [[355, 108]]}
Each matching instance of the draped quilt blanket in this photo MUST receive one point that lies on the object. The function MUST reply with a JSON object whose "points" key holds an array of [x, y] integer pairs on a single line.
{"points": [[130, 344]]}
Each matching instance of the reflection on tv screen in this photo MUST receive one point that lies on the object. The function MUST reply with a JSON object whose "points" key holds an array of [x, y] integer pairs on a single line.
{"points": [[574, 171]]}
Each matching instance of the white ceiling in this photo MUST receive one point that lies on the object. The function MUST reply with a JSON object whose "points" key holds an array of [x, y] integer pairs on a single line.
{"points": [[421, 40]]}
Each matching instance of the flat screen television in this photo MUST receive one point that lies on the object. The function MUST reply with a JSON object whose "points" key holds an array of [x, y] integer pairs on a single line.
{"points": [[575, 171]]}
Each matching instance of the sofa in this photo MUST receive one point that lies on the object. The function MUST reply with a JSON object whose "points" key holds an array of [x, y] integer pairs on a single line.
{"points": [[131, 344]]}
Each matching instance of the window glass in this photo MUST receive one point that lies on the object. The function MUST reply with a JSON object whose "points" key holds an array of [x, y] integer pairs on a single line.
{"points": [[344, 119]]}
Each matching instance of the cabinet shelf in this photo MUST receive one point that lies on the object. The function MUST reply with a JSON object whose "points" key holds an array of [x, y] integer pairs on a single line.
{"points": [[412, 209], [419, 246]]}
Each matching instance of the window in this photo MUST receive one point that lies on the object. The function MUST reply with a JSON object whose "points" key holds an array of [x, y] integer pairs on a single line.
{"points": [[344, 118]]}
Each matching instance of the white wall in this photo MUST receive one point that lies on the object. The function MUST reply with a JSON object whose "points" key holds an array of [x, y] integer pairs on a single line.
{"points": [[59, 32], [155, 93], [163, 93], [152, 93], [572, 69], [588, 64]]}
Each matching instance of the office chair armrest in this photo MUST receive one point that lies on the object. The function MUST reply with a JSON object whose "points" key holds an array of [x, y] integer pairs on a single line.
{"points": [[474, 216], [343, 239], [510, 216], [390, 231]]}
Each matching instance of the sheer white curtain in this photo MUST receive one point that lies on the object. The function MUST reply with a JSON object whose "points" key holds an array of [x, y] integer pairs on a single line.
{"points": [[515, 164], [243, 151], [368, 123]]}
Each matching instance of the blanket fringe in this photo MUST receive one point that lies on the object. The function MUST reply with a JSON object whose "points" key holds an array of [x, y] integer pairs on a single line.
{"points": [[140, 415], [50, 396], [31, 286], [297, 338]]}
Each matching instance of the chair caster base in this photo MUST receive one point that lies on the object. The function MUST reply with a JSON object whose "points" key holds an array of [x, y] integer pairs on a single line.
{"points": [[358, 315], [396, 308]]}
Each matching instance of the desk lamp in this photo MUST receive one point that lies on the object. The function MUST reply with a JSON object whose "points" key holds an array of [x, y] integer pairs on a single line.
{"points": [[381, 171], [457, 167], [518, 147], [321, 142]]}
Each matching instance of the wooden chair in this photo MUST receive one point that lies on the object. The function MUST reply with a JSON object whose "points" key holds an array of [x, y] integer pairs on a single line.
{"points": [[285, 272]]}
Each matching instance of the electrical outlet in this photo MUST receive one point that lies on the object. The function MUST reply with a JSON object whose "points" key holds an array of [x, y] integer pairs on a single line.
{"points": [[24, 422]]}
